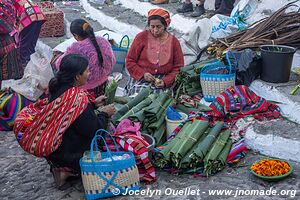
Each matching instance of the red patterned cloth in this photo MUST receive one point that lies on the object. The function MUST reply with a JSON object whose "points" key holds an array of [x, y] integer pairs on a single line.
{"points": [[39, 127], [28, 12], [129, 138], [239, 101]]}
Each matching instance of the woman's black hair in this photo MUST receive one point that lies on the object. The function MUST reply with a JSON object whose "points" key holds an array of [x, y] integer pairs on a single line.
{"points": [[161, 19], [78, 27], [70, 66]]}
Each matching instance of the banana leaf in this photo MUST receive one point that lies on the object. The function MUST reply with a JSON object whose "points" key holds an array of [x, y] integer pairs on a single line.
{"points": [[145, 92], [202, 149], [161, 116], [188, 140], [160, 135], [186, 162], [156, 105], [187, 110], [213, 166], [217, 146], [110, 92], [138, 107], [121, 100], [163, 158]]}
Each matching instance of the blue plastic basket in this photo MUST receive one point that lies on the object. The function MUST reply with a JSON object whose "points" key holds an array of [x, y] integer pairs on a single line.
{"points": [[214, 84], [103, 179], [120, 53]]}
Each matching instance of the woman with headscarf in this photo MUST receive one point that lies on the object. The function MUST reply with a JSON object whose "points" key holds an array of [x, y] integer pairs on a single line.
{"points": [[97, 50], [155, 56], [62, 127]]}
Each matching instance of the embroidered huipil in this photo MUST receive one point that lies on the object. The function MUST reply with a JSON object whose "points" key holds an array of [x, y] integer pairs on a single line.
{"points": [[99, 74], [147, 54]]}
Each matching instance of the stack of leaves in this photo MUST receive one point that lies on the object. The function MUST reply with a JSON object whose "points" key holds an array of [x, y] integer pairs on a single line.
{"points": [[215, 160], [203, 147], [110, 91], [136, 113], [281, 27], [163, 158], [188, 79], [187, 140], [125, 108]]}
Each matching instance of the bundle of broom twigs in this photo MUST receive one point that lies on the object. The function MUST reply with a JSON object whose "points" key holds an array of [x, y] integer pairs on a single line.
{"points": [[281, 28]]}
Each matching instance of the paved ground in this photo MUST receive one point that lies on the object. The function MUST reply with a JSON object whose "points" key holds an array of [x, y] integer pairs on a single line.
{"points": [[26, 177]]}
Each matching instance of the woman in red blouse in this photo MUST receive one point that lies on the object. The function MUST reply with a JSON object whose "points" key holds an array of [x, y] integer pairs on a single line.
{"points": [[155, 56]]}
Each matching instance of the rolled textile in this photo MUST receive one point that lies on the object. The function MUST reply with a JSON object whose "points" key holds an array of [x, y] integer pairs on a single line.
{"points": [[202, 149], [138, 107], [216, 149], [144, 93], [188, 140], [216, 165]]}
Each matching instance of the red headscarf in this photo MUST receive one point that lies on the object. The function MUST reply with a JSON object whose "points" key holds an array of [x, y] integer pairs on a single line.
{"points": [[160, 12]]}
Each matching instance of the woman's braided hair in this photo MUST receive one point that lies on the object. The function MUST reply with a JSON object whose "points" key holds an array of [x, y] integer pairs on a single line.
{"points": [[83, 29]]}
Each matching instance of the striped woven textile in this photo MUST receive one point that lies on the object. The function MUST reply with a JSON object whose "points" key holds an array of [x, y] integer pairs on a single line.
{"points": [[39, 127], [239, 101], [11, 103], [128, 136], [237, 152], [7, 16]]}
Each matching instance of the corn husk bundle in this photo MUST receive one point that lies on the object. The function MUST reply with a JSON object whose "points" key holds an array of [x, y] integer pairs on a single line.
{"points": [[280, 28], [215, 160]]}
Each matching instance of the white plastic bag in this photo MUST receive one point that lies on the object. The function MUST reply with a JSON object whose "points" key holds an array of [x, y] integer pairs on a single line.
{"points": [[224, 26], [37, 75]]}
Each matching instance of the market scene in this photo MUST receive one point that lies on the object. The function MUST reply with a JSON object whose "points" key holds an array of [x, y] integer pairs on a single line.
{"points": [[150, 99]]}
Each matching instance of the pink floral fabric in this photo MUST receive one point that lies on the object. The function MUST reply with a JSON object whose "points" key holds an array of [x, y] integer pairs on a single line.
{"points": [[99, 74]]}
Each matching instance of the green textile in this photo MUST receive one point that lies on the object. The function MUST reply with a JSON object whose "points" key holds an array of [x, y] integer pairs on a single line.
{"points": [[145, 92], [203, 147]]}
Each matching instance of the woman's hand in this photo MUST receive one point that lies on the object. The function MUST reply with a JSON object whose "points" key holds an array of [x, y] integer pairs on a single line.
{"points": [[149, 77], [109, 109], [99, 101], [159, 83]]}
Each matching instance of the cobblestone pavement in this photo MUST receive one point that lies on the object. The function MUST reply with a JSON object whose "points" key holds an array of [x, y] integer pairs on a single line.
{"points": [[24, 176]]}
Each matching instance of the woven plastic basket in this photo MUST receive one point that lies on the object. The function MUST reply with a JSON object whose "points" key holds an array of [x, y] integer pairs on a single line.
{"points": [[214, 84], [103, 179]]}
